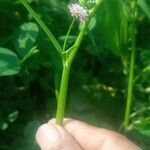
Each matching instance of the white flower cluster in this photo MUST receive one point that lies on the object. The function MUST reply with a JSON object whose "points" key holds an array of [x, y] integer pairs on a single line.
{"points": [[78, 12]]}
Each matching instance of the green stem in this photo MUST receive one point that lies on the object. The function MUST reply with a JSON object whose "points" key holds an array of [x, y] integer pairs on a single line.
{"points": [[62, 95], [64, 81], [77, 44], [131, 71], [65, 42], [82, 32], [42, 25], [67, 61], [130, 89]]}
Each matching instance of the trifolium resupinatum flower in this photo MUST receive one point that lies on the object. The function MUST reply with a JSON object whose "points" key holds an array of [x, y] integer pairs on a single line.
{"points": [[78, 12]]}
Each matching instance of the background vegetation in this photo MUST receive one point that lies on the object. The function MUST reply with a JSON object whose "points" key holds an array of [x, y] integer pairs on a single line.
{"points": [[99, 75]]}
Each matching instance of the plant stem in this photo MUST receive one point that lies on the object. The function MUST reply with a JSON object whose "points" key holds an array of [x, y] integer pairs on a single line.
{"points": [[42, 25], [65, 42], [130, 89], [82, 32], [77, 44], [62, 95], [131, 71], [67, 61]]}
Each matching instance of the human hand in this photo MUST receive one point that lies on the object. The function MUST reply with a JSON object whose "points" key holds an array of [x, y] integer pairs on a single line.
{"points": [[77, 135]]}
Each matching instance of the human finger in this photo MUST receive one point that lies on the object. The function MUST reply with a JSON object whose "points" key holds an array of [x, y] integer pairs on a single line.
{"points": [[53, 137], [90, 137]]}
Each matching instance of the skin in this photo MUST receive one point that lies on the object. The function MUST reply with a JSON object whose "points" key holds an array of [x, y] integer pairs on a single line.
{"points": [[77, 135]]}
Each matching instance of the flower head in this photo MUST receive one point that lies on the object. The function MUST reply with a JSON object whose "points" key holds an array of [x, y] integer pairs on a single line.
{"points": [[78, 12]]}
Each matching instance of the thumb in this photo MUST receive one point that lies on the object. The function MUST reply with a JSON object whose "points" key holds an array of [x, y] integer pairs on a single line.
{"points": [[50, 136]]}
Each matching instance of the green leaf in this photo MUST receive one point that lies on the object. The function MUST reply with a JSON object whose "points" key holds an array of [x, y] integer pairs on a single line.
{"points": [[92, 23], [43, 25], [144, 7], [32, 51], [143, 126], [25, 38], [9, 62], [112, 24]]}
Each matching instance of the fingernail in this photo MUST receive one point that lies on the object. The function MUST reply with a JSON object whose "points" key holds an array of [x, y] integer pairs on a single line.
{"points": [[46, 136]]}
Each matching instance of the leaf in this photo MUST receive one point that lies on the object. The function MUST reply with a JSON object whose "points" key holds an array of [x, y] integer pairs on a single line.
{"points": [[112, 24], [25, 37], [9, 62], [31, 52], [144, 7], [92, 23], [71, 38], [143, 126]]}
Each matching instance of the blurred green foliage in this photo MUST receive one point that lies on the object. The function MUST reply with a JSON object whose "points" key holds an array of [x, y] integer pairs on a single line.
{"points": [[98, 81]]}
